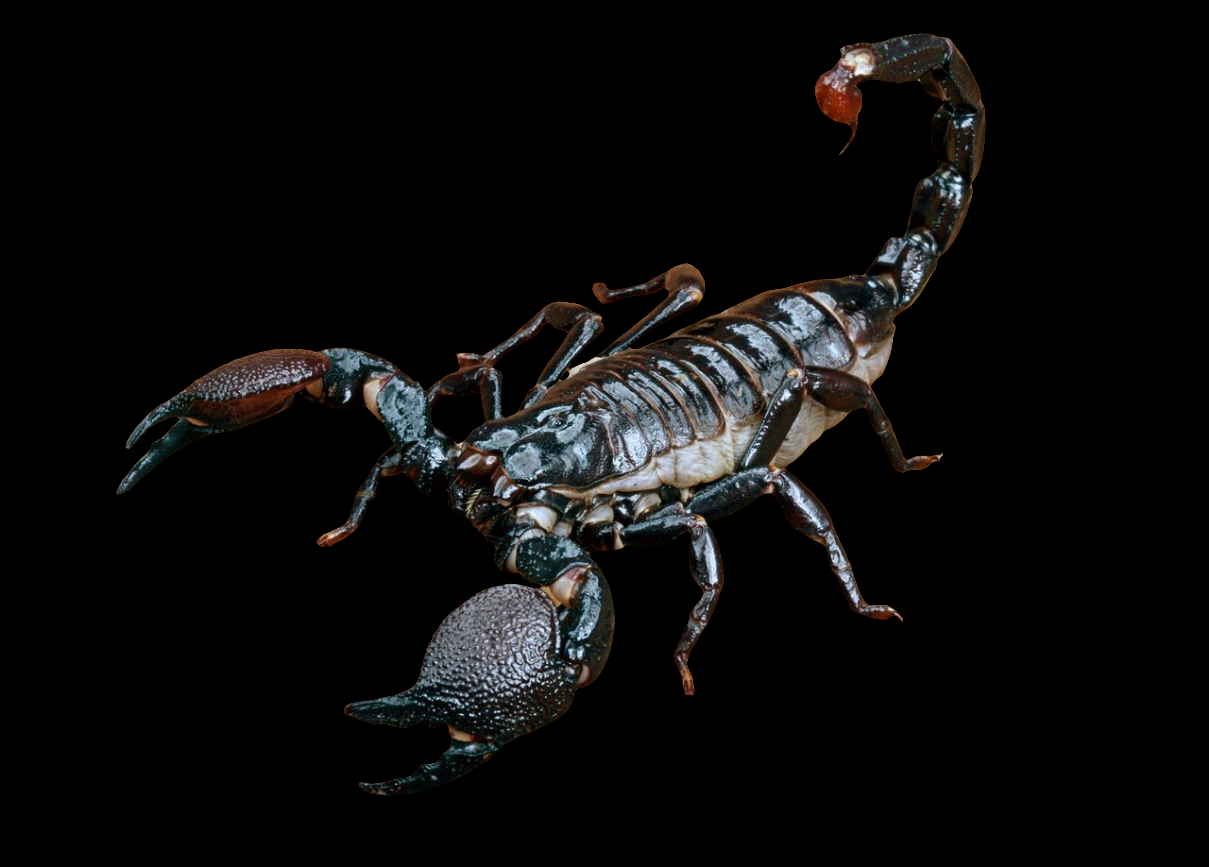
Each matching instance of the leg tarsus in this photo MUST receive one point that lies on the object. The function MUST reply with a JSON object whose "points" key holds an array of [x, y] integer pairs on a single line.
{"points": [[803, 511], [808, 516], [706, 568], [581, 326], [835, 390], [387, 465], [474, 375], [581, 329], [844, 392], [685, 288]]}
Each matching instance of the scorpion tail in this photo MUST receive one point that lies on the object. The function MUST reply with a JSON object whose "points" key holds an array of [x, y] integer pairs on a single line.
{"points": [[958, 138]]}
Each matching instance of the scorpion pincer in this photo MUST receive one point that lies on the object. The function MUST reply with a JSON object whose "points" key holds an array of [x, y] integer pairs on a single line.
{"points": [[643, 443]]}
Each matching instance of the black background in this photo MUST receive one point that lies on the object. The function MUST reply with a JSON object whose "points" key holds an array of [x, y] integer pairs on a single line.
{"points": [[416, 212]]}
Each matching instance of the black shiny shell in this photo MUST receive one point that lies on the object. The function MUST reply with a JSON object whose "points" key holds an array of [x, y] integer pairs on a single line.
{"points": [[618, 413], [493, 667]]}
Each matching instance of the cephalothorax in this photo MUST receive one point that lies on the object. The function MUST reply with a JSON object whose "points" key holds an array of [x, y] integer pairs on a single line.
{"points": [[643, 443]]}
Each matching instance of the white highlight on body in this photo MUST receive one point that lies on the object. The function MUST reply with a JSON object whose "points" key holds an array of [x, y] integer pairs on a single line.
{"points": [[539, 515], [473, 461], [563, 591], [599, 515], [510, 564], [859, 60], [369, 393], [647, 503], [574, 371]]}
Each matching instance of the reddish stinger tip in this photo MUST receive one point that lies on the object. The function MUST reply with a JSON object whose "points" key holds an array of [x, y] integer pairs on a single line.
{"points": [[839, 97]]}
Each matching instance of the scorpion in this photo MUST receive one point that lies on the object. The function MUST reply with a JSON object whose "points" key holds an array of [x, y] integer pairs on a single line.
{"points": [[644, 443]]}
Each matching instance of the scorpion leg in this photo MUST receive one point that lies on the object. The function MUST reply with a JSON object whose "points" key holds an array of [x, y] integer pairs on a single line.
{"points": [[706, 567], [783, 409], [387, 465], [803, 511], [473, 374], [844, 392], [581, 326], [685, 289], [835, 390]]}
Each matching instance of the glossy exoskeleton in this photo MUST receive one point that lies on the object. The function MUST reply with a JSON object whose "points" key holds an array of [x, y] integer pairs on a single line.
{"points": [[641, 444]]}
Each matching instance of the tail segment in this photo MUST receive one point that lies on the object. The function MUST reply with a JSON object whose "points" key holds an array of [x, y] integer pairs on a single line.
{"points": [[958, 135]]}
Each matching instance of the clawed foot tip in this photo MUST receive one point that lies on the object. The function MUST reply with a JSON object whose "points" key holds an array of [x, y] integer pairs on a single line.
{"points": [[327, 540]]}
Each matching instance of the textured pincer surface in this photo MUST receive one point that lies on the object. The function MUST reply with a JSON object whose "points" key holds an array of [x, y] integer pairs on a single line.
{"points": [[265, 372], [253, 387], [493, 668]]}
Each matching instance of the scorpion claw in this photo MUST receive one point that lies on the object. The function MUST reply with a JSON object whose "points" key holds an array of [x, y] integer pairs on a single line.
{"points": [[460, 759], [397, 710], [493, 672], [238, 393]]}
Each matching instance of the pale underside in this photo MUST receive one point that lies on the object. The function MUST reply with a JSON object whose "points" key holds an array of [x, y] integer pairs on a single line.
{"points": [[706, 460]]}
